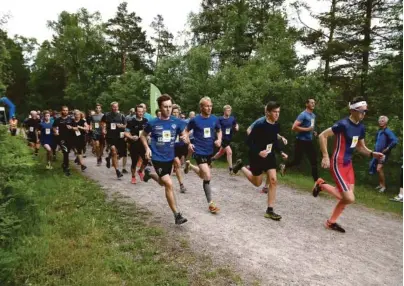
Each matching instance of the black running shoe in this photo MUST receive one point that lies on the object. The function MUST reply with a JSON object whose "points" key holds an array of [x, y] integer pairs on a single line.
{"points": [[77, 161], [316, 188], [108, 160], [124, 171], [237, 167], [83, 167], [147, 176], [67, 172], [99, 162], [119, 174], [334, 226], [179, 219], [273, 216]]}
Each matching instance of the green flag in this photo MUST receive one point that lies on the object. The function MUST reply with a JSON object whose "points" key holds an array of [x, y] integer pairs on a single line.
{"points": [[154, 94]]}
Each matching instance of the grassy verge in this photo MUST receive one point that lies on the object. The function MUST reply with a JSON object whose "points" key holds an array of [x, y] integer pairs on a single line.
{"points": [[72, 235], [365, 195]]}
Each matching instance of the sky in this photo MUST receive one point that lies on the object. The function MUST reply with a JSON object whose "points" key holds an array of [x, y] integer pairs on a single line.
{"points": [[29, 18]]}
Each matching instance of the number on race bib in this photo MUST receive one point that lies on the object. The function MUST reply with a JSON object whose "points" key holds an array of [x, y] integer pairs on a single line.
{"points": [[312, 122], [269, 148], [78, 133], [206, 132], [96, 125], [228, 130], [113, 126], [355, 140], [47, 131], [166, 136], [121, 134], [177, 139], [31, 129]]}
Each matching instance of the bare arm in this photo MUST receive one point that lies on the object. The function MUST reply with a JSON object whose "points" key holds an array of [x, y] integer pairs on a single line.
{"points": [[322, 138], [361, 148], [296, 127]]}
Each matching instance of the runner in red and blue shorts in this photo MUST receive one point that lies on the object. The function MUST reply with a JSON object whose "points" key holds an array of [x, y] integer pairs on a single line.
{"points": [[349, 135]]}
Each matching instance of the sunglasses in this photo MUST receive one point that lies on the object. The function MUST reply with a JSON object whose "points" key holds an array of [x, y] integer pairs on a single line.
{"points": [[361, 111]]}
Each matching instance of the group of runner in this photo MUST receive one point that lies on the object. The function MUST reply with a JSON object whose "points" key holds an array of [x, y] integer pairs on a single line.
{"points": [[166, 142]]}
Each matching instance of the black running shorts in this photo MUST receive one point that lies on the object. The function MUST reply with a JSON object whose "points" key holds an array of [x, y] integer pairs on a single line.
{"points": [[225, 143], [259, 165], [120, 146], [181, 151], [202, 159], [163, 168]]}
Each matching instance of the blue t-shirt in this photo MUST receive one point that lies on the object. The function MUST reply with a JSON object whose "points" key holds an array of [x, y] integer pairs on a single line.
{"points": [[204, 133], [163, 134], [227, 125], [347, 136], [148, 116], [46, 133], [256, 121], [178, 141], [307, 119]]}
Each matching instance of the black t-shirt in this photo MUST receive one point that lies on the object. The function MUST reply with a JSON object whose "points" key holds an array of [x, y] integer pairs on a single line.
{"points": [[78, 133], [32, 126], [111, 119], [62, 123], [135, 126], [264, 136]]}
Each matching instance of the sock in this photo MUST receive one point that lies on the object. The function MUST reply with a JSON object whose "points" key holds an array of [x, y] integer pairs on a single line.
{"points": [[270, 209], [208, 190]]}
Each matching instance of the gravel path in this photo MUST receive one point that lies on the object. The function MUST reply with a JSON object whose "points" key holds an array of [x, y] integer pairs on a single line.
{"points": [[298, 250]]}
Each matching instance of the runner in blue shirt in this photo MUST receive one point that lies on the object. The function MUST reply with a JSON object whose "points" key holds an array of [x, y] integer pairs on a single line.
{"points": [[204, 127], [181, 150], [262, 143], [163, 132], [349, 135], [229, 125], [46, 138]]}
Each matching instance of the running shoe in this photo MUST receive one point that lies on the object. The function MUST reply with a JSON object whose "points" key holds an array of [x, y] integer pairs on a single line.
{"points": [[334, 226], [108, 160], [282, 169], [67, 172], [124, 171], [147, 176], [119, 174], [272, 215], [237, 167], [179, 219], [378, 187], [48, 166], [77, 161], [397, 199], [141, 175], [187, 164], [382, 190], [183, 189], [83, 167], [213, 208], [264, 190], [316, 188], [133, 181]]}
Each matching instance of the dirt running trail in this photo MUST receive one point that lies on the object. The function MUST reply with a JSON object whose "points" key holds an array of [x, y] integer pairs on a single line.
{"points": [[298, 250]]}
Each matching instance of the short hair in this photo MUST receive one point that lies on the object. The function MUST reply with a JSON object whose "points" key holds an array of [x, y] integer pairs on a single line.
{"points": [[98, 104], [46, 112], [308, 100], [162, 98], [137, 106], [176, 106], [358, 99], [133, 109], [385, 117], [64, 106], [205, 98], [193, 112], [157, 111], [114, 102], [226, 107], [143, 105], [272, 105]]}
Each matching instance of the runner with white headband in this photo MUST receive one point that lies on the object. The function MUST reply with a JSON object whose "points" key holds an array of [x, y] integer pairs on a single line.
{"points": [[349, 135]]}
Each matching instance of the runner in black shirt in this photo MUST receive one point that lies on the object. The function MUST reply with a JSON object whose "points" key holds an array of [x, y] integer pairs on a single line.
{"points": [[62, 129], [79, 130], [113, 126], [32, 129], [97, 136], [133, 131]]}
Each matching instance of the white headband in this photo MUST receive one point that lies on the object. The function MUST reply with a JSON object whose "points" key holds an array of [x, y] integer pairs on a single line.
{"points": [[357, 104]]}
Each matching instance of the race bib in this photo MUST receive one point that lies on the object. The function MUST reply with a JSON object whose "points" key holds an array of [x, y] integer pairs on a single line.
{"points": [[228, 130], [96, 125], [355, 140], [47, 131], [312, 122], [166, 136], [140, 133], [121, 134], [269, 148], [31, 129], [206, 132], [78, 133], [177, 139], [113, 126]]}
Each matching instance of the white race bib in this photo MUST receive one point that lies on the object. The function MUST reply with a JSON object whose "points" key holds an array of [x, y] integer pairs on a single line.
{"points": [[47, 131], [228, 130], [113, 126], [96, 125], [312, 122], [355, 140], [78, 133], [269, 148], [140, 133], [121, 134], [206, 132], [177, 139], [31, 129], [166, 136]]}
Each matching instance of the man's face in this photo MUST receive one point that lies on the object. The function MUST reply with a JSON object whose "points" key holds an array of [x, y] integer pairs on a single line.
{"points": [[311, 104], [159, 114], [273, 115], [47, 116], [182, 116], [227, 112], [34, 115], [139, 112], [176, 112], [191, 115], [98, 109], [144, 107], [359, 113], [115, 108], [206, 107], [166, 108], [65, 112], [382, 121]]}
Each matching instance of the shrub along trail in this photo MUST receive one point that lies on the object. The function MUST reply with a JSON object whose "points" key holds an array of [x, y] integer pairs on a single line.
{"points": [[295, 251]]}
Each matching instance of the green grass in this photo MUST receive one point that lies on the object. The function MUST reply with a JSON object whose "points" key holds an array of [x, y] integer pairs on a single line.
{"points": [[365, 194], [81, 239]]}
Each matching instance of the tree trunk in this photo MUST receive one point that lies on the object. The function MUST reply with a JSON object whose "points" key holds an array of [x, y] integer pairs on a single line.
{"points": [[366, 47], [327, 57]]}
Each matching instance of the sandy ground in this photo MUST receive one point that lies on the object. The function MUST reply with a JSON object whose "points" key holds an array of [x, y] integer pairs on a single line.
{"points": [[298, 250]]}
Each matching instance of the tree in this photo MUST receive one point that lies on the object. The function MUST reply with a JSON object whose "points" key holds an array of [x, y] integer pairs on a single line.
{"points": [[163, 39]]}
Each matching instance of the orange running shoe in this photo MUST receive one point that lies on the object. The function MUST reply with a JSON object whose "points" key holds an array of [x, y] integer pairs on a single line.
{"points": [[133, 180], [213, 208], [316, 188]]}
